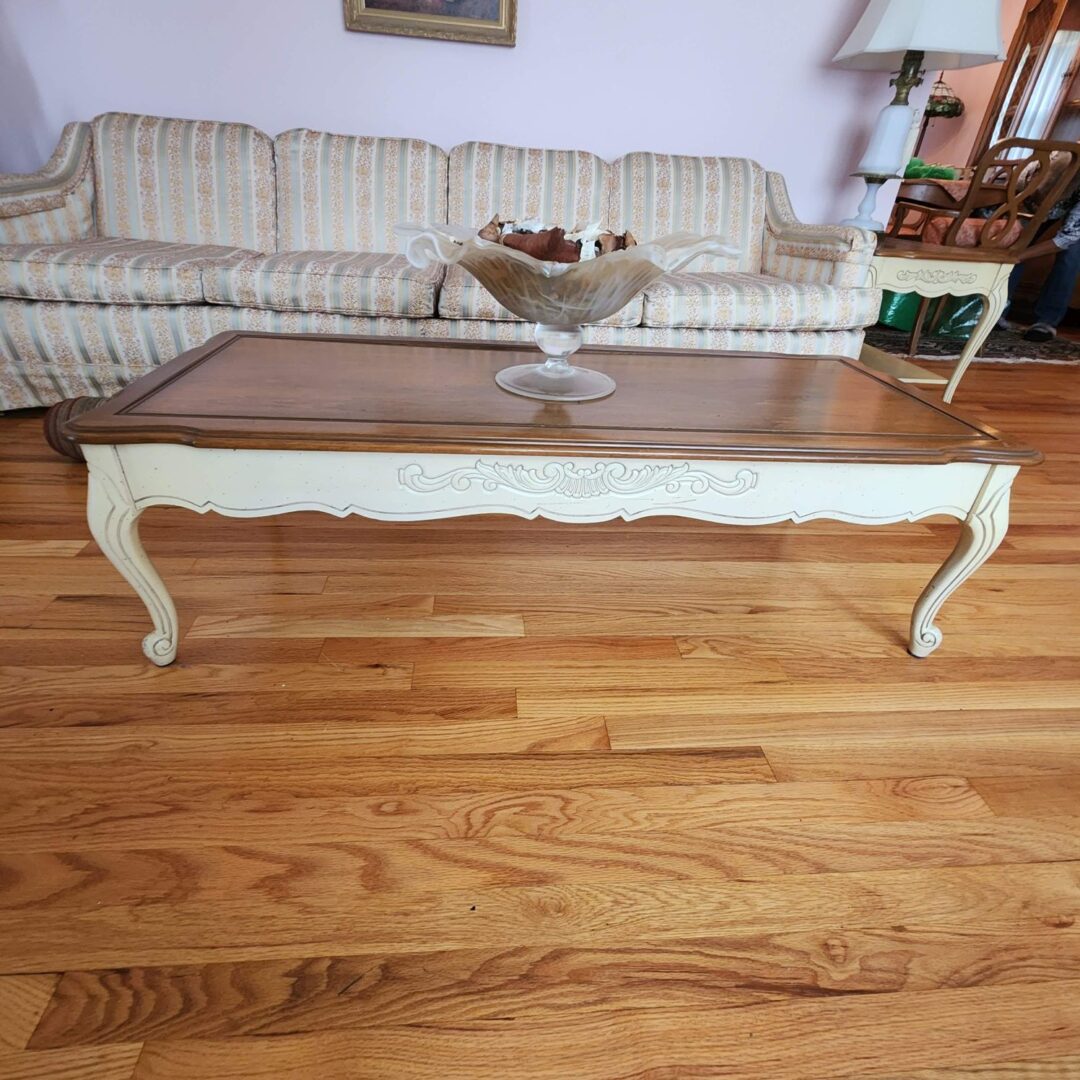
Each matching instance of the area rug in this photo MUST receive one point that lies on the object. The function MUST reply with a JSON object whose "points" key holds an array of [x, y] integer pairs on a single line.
{"points": [[1001, 347]]}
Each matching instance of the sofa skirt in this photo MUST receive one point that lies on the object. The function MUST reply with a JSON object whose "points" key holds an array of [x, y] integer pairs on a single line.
{"points": [[51, 350]]}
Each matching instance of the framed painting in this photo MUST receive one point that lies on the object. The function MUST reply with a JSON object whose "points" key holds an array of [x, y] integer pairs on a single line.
{"points": [[489, 22]]}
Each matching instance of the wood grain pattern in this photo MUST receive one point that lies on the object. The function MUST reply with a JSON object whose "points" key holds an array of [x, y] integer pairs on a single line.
{"points": [[353, 393], [22, 1001], [264, 925], [76, 1063], [212, 1001], [773, 1041], [1062, 1068], [245, 813], [807, 855]]}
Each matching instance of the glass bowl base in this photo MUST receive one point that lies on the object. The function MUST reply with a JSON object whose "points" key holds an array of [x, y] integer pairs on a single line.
{"points": [[570, 384]]}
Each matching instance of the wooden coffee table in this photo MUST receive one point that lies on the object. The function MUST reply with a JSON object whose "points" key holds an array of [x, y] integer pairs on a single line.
{"points": [[408, 430]]}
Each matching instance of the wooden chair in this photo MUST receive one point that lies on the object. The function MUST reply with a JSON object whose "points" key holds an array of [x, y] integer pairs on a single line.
{"points": [[944, 242]]}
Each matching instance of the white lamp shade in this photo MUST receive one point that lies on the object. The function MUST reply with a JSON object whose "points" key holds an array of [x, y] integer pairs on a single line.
{"points": [[952, 33]]}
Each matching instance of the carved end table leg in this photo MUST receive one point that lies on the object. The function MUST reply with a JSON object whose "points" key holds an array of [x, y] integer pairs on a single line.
{"points": [[114, 523], [58, 415], [982, 532], [995, 303]]}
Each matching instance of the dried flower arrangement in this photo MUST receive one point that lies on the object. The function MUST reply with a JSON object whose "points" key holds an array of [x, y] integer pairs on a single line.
{"points": [[550, 243]]}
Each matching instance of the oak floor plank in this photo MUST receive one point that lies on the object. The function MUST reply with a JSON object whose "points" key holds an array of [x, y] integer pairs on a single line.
{"points": [[1034, 797], [790, 639], [72, 880], [1062, 1068], [497, 651], [967, 632], [20, 611], [531, 983], [41, 682], [777, 1041], [699, 719], [198, 746], [22, 1001], [16, 548], [368, 704], [578, 676], [76, 1063], [973, 755], [245, 815], [791, 676], [260, 925], [347, 625], [63, 577], [347, 771], [93, 649]]}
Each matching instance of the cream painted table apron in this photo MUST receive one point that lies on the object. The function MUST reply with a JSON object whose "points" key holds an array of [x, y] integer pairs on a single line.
{"points": [[409, 430]]}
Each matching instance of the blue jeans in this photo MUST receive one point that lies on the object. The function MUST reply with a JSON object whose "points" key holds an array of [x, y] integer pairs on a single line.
{"points": [[1053, 300]]}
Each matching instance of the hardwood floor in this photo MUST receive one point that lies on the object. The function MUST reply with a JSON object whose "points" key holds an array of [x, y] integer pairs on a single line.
{"points": [[489, 798]]}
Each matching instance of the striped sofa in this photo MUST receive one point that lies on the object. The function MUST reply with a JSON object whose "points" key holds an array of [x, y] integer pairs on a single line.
{"points": [[143, 236]]}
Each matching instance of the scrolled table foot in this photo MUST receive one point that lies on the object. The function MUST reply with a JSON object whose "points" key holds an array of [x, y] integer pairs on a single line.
{"points": [[159, 649], [924, 641]]}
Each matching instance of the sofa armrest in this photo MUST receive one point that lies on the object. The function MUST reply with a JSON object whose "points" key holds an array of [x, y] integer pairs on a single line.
{"points": [[823, 254], [55, 182]]}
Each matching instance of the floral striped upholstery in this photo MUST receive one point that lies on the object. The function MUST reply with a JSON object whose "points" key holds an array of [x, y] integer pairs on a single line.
{"points": [[58, 350], [347, 192], [345, 282], [191, 181], [756, 302], [563, 187], [655, 194], [56, 203], [823, 254], [111, 270], [463, 297]]}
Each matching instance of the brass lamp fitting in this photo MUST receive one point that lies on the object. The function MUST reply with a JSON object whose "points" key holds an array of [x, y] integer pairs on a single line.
{"points": [[909, 77]]}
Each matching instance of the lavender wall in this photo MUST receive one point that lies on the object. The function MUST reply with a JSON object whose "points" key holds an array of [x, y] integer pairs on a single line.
{"points": [[745, 77]]}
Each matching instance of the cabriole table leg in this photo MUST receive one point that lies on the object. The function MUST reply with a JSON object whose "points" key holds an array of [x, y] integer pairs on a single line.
{"points": [[994, 306], [981, 533], [114, 524]]}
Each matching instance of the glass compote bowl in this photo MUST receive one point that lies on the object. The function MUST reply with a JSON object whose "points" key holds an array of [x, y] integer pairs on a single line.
{"points": [[558, 297]]}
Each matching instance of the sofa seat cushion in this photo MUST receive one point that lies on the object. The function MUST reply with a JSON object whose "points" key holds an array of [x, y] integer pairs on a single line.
{"points": [[731, 301], [338, 282], [111, 270], [463, 297]]}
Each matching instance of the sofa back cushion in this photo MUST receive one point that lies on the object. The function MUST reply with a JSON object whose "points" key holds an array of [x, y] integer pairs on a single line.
{"points": [[193, 181], [655, 194], [347, 192], [563, 187]]}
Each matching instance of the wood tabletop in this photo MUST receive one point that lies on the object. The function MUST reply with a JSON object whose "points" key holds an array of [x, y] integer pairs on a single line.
{"points": [[308, 392]]}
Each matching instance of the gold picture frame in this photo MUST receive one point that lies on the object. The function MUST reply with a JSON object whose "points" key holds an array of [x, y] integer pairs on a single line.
{"points": [[409, 18]]}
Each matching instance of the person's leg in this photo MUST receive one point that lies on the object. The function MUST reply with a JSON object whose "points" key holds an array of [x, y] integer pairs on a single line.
{"points": [[1014, 280], [1054, 297], [1005, 323]]}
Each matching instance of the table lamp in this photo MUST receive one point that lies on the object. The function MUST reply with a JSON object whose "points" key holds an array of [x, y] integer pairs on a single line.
{"points": [[908, 36]]}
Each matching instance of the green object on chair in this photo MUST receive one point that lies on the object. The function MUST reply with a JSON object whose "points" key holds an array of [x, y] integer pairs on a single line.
{"points": [[961, 313], [917, 169]]}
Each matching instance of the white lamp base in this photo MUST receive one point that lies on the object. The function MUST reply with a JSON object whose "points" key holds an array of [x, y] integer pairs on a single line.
{"points": [[864, 218]]}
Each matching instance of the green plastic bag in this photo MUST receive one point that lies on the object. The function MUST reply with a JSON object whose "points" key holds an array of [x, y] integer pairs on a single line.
{"points": [[900, 310]]}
